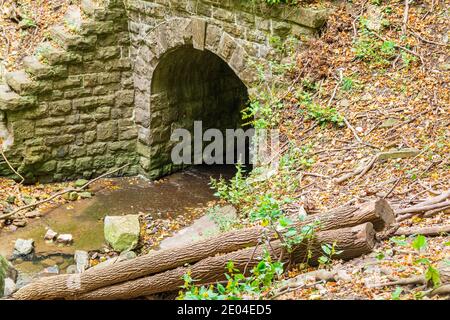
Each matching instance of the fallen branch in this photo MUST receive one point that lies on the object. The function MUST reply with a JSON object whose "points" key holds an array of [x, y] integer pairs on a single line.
{"points": [[422, 208], [441, 291], [360, 171], [59, 194], [355, 134], [10, 166], [427, 231], [401, 282], [405, 17]]}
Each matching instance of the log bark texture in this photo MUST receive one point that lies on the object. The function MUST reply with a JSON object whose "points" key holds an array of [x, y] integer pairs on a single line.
{"points": [[378, 212], [353, 242]]}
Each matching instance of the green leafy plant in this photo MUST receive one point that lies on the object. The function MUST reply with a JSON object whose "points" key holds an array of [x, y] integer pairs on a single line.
{"points": [[238, 286], [329, 251], [396, 294], [233, 190], [399, 240], [431, 273], [419, 243], [322, 115]]}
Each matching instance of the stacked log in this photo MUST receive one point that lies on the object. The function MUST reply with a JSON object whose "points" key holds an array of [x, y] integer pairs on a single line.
{"points": [[352, 229]]}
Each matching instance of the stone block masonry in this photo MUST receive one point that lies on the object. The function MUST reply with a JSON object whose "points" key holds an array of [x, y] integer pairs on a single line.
{"points": [[115, 79]]}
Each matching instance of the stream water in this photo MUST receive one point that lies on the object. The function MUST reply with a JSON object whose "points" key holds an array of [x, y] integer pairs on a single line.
{"points": [[173, 196]]}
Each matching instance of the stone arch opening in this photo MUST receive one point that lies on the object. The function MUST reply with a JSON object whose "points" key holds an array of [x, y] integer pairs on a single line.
{"points": [[191, 85]]}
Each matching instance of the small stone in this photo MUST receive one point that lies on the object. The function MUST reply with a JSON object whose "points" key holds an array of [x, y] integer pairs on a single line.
{"points": [[54, 270], [73, 196], [20, 222], [80, 183], [389, 123], [11, 199], [82, 260], [50, 235], [85, 195], [399, 154], [6, 271], [23, 247], [9, 287], [48, 262], [33, 214], [127, 255], [64, 239], [72, 269]]}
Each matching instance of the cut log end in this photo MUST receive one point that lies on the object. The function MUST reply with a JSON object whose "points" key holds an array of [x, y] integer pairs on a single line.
{"points": [[385, 213], [366, 234]]}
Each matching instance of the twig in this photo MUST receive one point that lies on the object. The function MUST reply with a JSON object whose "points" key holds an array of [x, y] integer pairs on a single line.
{"points": [[393, 187], [353, 130], [292, 288], [405, 17], [407, 122], [59, 194], [428, 41], [341, 77], [10, 166], [360, 171], [251, 258]]}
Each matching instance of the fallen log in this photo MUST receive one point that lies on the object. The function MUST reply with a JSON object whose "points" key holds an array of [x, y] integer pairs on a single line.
{"points": [[379, 213], [353, 242]]}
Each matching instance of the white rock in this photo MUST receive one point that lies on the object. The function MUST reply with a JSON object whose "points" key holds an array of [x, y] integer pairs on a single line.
{"points": [[10, 287], [82, 260], [23, 247], [64, 239], [50, 235]]}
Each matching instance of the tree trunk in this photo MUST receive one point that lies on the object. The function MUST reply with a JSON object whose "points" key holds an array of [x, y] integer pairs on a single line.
{"points": [[353, 242], [378, 212]]}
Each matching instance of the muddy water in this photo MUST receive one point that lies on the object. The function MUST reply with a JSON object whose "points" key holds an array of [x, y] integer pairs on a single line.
{"points": [[171, 197]]}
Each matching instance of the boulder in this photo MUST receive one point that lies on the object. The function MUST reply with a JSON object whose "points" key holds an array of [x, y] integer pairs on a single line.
{"points": [[122, 232]]}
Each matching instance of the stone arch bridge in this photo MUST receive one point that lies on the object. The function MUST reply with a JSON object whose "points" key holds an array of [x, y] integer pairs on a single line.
{"points": [[115, 79]]}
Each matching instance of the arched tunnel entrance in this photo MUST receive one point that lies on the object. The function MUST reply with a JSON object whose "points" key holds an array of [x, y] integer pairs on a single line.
{"points": [[188, 86]]}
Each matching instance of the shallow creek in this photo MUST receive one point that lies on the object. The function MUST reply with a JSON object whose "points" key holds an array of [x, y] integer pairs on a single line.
{"points": [[168, 198]]}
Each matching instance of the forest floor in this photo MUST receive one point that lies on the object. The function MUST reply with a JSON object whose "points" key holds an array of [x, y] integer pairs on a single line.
{"points": [[384, 72], [388, 81]]}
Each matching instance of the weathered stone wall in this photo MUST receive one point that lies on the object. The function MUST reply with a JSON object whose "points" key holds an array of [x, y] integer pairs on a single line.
{"points": [[69, 112], [236, 31], [115, 80]]}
